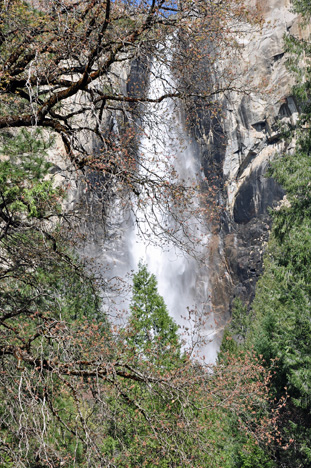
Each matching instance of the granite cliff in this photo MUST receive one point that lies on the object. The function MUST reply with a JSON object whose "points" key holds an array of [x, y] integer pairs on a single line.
{"points": [[239, 152]]}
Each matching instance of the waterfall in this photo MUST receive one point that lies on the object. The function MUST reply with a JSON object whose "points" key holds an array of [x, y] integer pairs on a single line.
{"points": [[151, 233]]}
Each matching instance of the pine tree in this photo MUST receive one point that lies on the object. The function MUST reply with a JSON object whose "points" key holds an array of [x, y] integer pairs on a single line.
{"points": [[153, 333]]}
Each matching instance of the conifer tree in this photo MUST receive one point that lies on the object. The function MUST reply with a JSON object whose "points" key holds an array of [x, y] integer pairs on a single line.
{"points": [[154, 334]]}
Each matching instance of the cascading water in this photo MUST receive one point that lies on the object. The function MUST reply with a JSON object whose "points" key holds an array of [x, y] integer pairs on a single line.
{"points": [[152, 233]]}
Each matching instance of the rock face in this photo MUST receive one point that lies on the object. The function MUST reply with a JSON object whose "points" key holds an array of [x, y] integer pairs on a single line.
{"points": [[250, 139]]}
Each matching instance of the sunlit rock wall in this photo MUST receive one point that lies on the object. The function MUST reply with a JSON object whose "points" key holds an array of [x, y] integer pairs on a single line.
{"points": [[250, 138]]}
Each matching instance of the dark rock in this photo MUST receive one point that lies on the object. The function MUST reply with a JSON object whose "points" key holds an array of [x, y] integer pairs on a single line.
{"points": [[255, 196]]}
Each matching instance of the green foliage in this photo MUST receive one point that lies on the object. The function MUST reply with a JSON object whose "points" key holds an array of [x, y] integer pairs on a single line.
{"points": [[24, 188], [85, 396], [72, 394], [235, 332], [200, 422], [284, 293], [251, 455], [212, 422], [303, 7], [228, 346], [36, 248], [153, 333], [239, 319], [281, 326], [44, 292]]}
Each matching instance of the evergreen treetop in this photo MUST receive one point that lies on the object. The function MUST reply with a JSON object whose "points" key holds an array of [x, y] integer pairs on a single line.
{"points": [[154, 334]]}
